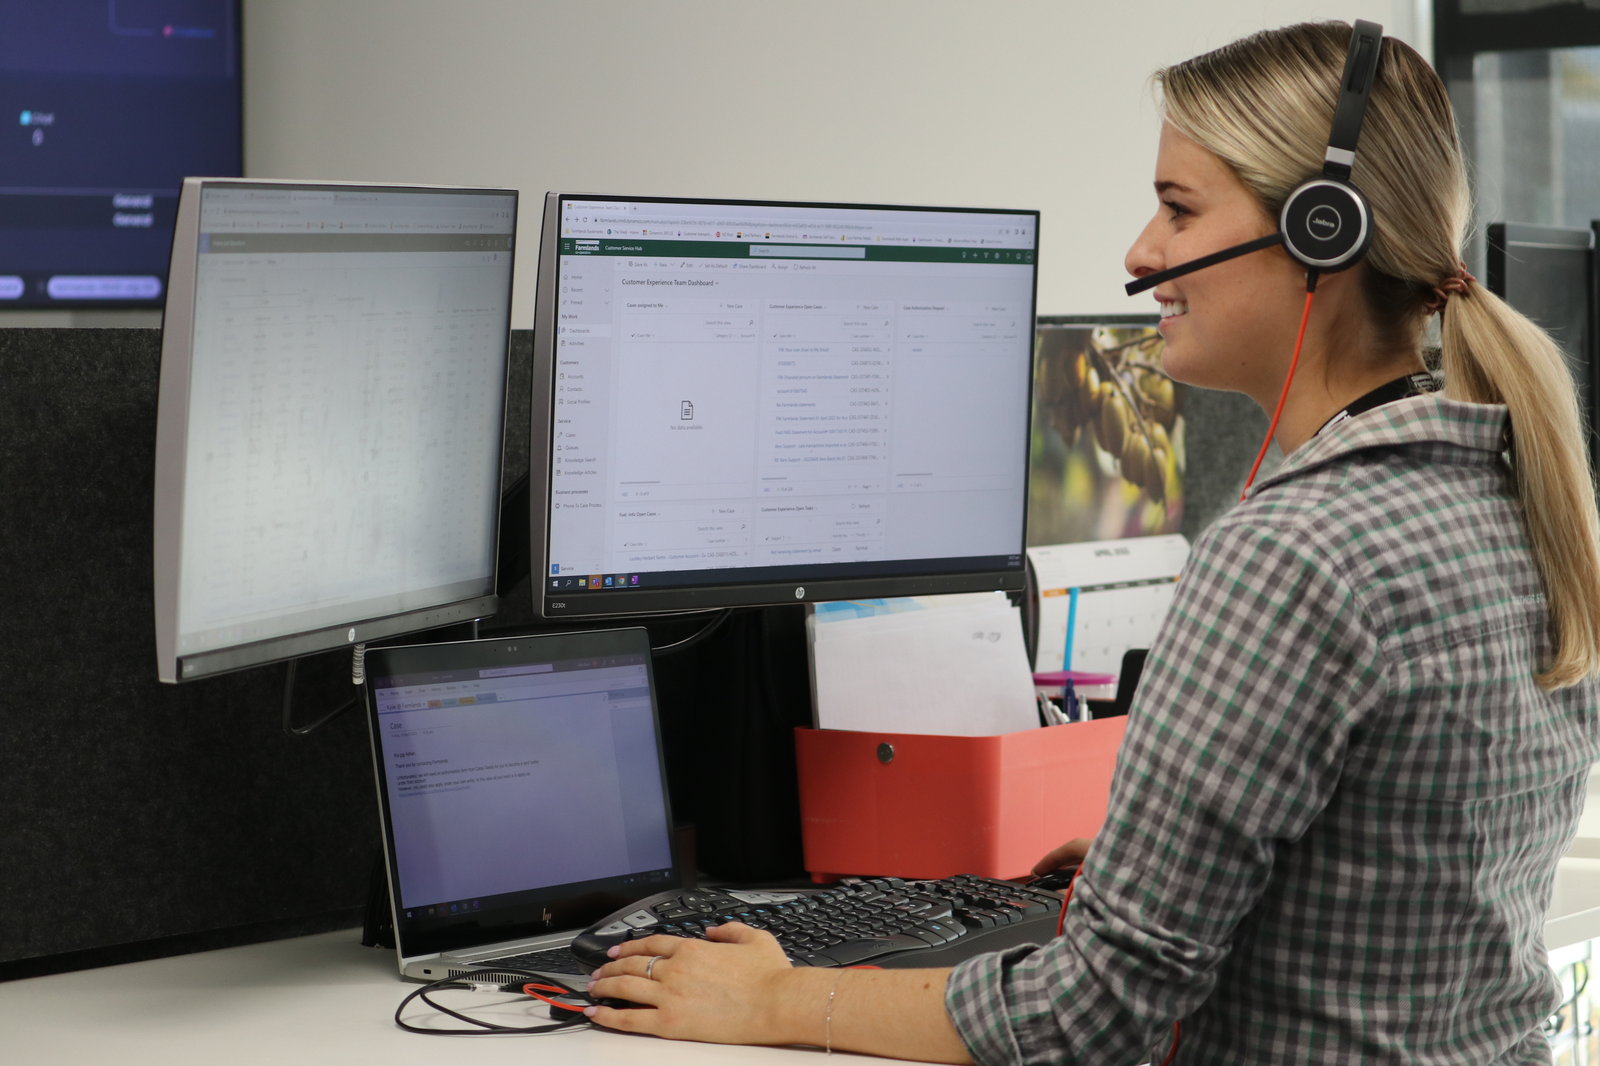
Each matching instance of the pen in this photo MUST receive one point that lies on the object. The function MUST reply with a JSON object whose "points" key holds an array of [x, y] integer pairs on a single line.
{"points": [[1072, 624]]}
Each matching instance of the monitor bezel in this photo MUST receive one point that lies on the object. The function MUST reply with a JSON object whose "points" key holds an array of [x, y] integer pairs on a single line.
{"points": [[559, 907], [172, 423], [551, 604]]}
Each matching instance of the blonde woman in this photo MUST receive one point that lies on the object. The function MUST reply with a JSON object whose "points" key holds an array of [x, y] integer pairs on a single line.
{"points": [[1364, 733]]}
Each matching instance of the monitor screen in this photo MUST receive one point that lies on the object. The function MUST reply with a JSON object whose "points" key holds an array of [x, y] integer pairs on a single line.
{"points": [[109, 104], [330, 418], [759, 402]]}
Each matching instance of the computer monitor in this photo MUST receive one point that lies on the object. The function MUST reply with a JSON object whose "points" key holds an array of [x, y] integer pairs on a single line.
{"points": [[330, 419], [748, 402], [1546, 272], [108, 106]]}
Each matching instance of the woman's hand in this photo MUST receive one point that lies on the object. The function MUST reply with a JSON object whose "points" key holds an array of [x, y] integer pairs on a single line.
{"points": [[739, 988], [732, 988], [1069, 854]]}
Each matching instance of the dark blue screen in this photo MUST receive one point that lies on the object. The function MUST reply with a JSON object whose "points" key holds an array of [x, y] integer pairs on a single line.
{"points": [[105, 107]]}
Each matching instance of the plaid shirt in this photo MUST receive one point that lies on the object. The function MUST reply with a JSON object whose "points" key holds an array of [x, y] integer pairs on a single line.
{"points": [[1337, 811]]}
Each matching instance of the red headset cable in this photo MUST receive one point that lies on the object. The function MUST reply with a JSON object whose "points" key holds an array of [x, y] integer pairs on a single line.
{"points": [[528, 990], [1311, 290], [1066, 897]]}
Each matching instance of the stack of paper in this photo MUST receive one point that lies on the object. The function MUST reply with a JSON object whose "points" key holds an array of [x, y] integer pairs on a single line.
{"points": [[944, 665]]}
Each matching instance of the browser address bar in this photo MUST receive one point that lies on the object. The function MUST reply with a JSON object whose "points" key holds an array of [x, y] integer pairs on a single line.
{"points": [[806, 251]]}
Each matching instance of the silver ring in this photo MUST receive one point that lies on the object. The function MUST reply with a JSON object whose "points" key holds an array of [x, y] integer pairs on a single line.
{"points": [[650, 966]]}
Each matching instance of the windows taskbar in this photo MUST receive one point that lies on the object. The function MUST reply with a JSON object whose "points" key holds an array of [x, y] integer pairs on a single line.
{"points": [[662, 580]]}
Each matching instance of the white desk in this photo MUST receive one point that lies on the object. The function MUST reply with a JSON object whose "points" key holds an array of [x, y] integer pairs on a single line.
{"points": [[326, 999], [312, 1000]]}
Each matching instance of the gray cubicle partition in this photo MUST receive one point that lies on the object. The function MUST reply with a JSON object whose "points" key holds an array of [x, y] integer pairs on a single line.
{"points": [[135, 811], [143, 819]]}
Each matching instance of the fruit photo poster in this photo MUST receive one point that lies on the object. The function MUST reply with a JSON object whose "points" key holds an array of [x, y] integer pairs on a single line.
{"points": [[1108, 436]]}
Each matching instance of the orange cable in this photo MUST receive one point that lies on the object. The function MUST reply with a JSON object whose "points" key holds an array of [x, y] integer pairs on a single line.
{"points": [[528, 990], [1066, 898], [1167, 1061], [1273, 429]]}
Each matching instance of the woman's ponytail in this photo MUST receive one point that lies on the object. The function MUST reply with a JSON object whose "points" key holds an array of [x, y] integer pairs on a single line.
{"points": [[1493, 354]]}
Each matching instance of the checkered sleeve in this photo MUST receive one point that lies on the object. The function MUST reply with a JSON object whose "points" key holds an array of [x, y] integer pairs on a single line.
{"points": [[1233, 746]]}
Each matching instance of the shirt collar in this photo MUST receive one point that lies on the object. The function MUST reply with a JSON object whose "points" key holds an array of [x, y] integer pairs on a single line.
{"points": [[1420, 419]]}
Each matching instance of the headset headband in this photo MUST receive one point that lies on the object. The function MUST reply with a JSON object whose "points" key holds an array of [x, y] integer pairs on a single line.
{"points": [[1355, 86]]}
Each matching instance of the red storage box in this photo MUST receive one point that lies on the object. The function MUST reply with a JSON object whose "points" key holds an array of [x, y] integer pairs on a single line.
{"points": [[906, 805]]}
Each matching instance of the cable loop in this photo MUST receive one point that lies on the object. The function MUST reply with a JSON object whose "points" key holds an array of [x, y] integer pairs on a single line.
{"points": [[485, 1028], [696, 637]]}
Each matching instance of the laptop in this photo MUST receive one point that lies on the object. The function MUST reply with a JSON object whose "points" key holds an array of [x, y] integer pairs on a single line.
{"points": [[523, 796]]}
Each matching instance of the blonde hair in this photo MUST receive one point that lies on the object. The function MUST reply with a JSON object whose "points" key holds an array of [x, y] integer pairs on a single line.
{"points": [[1264, 105]]}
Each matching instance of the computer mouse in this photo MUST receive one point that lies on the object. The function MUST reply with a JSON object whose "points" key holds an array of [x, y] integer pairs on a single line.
{"points": [[623, 1004], [1055, 880], [560, 1012]]}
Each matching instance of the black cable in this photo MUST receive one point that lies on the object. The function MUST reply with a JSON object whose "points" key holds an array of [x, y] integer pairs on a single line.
{"points": [[696, 637], [1030, 609], [488, 1028], [288, 706]]}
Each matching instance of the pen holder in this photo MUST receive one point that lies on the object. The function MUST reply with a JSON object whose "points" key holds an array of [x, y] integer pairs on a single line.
{"points": [[916, 806]]}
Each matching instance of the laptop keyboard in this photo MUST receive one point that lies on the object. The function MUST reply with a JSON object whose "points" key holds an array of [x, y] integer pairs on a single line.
{"points": [[556, 960]]}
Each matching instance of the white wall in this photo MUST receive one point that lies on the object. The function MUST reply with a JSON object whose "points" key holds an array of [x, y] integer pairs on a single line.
{"points": [[1006, 103]]}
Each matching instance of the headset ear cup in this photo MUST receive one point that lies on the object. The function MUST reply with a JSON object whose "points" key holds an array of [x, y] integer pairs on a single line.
{"points": [[1326, 225]]}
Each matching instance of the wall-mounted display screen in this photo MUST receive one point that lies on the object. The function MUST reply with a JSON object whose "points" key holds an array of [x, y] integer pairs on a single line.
{"points": [[106, 106]]}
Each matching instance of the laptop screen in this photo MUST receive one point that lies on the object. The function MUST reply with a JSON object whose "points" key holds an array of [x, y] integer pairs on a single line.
{"points": [[520, 777]]}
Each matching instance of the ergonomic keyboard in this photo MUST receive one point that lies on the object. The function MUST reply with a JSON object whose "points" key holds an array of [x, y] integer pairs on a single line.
{"points": [[884, 921]]}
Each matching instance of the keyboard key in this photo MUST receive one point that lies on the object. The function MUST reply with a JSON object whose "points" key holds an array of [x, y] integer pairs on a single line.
{"points": [[943, 930]]}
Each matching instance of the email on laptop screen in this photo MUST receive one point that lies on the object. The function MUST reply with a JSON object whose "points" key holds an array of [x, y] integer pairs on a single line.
{"points": [[505, 782]]}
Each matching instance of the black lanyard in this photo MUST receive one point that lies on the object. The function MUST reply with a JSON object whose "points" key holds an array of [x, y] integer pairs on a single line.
{"points": [[1399, 389]]}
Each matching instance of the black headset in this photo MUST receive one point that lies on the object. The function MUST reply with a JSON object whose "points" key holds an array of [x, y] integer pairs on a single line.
{"points": [[1325, 224]]}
